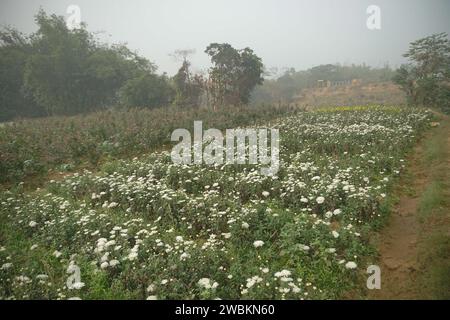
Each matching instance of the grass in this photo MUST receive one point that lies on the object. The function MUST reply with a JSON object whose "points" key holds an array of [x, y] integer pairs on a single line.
{"points": [[434, 213], [432, 200]]}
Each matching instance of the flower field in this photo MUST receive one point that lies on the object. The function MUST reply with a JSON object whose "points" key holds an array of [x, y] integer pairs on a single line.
{"points": [[149, 229], [31, 148]]}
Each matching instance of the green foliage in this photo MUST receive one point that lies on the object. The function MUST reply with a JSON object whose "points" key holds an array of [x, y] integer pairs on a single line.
{"points": [[70, 73], [147, 90], [426, 79], [188, 87], [434, 213], [234, 74], [57, 71], [67, 142], [15, 101]]}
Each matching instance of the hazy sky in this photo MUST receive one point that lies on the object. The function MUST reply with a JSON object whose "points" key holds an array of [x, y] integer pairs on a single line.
{"points": [[285, 33]]}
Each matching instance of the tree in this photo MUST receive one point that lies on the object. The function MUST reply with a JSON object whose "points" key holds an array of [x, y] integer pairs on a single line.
{"points": [[15, 100], [182, 54], [188, 87], [323, 72], [148, 90], [249, 74], [54, 70], [108, 69], [426, 78], [234, 74], [57, 71], [405, 77], [68, 72]]}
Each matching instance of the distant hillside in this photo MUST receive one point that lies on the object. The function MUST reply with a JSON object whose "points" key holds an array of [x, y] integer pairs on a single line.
{"points": [[360, 94]]}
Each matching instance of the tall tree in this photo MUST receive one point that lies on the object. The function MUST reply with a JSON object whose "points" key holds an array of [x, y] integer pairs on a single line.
{"points": [[234, 74], [250, 74], [55, 70], [15, 100], [426, 79], [68, 72], [62, 71], [188, 87]]}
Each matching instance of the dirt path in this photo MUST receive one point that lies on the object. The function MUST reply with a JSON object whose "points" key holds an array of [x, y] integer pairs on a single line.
{"points": [[402, 238]]}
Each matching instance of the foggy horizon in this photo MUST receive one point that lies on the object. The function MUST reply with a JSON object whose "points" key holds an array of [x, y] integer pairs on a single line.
{"points": [[285, 34]]}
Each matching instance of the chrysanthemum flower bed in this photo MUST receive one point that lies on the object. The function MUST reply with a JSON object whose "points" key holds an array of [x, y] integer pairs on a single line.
{"points": [[147, 228], [29, 148]]}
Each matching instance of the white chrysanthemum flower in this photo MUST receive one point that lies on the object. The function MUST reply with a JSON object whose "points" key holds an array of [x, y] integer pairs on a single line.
{"points": [[32, 224], [57, 254], [104, 265], [286, 279], [258, 243], [252, 281], [152, 298], [105, 257], [335, 234], [265, 193], [6, 266], [184, 256], [77, 285], [337, 211], [24, 279], [351, 265], [206, 283], [320, 200], [113, 205], [114, 263], [245, 225], [110, 243], [132, 256], [282, 273], [227, 235]]}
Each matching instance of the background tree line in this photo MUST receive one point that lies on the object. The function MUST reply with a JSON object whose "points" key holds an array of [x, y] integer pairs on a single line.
{"points": [[425, 79], [57, 71], [291, 82]]}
